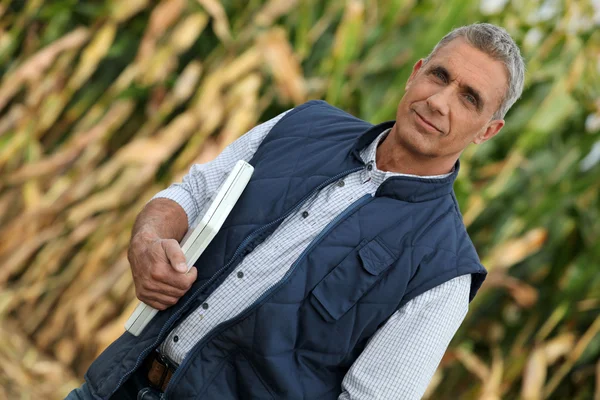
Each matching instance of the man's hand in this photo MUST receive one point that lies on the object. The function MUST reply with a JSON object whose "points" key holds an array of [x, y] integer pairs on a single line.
{"points": [[159, 270]]}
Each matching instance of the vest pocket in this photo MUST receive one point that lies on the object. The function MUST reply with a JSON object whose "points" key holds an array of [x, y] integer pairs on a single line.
{"points": [[351, 279], [236, 379]]}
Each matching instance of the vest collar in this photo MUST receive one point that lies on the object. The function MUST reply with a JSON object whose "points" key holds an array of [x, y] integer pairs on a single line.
{"points": [[406, 188]]}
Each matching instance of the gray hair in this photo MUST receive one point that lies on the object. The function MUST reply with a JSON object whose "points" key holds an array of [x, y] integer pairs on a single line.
{"points": [[497, 43]]}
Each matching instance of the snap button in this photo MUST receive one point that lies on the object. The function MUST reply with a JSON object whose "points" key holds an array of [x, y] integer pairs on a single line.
{"points": [[305, 214], [205, 306], [240, 274], [369, 167], [341, 183], [175, 338]]}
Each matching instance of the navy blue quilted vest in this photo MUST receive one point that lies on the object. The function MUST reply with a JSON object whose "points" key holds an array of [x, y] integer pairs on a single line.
{"points": [[300, 338]]}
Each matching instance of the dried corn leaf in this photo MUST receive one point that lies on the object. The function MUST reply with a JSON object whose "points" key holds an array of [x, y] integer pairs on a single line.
{"points": [[286, 70], [33, 69], [164, 15], [514, 251], [572, 358], [123, 10], [534, 376], [273, 10], [221, 23]]}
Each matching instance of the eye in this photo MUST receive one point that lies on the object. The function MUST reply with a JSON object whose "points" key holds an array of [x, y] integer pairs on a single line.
{"points": [[440, 75], [471, 99]]}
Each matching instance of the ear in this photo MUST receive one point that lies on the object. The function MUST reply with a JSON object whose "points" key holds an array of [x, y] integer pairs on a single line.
{"points": [[414, 72], [492, 129]]}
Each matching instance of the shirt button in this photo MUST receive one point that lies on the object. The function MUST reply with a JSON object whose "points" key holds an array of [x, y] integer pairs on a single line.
{"points": [[240, 274], [341, 183], [175, 338], [305, 214], [205, 306], [369, 167]]}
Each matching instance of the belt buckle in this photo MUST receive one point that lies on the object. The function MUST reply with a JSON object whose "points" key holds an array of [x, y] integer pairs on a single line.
{"points": [[167, 367]]}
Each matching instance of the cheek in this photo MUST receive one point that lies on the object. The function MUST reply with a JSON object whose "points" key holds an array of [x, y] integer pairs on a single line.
{"points": [[421, 91], [464, 126], [404, 106]]}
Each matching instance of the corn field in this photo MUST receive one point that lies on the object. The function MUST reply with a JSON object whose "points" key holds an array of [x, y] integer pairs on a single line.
{"points": [[104, 103]]}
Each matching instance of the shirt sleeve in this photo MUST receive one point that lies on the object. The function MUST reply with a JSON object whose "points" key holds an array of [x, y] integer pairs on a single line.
{"points": [[202, 182], [402, 356]]}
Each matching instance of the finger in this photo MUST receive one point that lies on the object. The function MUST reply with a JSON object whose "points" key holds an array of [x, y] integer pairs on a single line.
{"points": [[153, 290], [175, 255], [159, 301], [164, 274], [192, 274], [186, 280], [154, 304], [166, 290]]}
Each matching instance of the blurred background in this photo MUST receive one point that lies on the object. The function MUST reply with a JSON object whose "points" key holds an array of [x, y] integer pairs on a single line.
{"points": [[104, 103]]}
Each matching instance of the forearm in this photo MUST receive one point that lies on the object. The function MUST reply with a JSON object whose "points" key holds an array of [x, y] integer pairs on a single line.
{"points": [[161, 218]]}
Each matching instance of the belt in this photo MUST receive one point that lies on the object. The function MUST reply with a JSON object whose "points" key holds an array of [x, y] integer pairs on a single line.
{"points": [[160, 370]]}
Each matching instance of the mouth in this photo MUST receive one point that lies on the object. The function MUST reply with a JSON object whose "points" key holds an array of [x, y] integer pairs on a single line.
{"points": [[427, 124]]}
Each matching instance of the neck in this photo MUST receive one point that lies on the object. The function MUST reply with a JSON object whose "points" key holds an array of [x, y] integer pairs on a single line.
{"points": [[393, 157]]}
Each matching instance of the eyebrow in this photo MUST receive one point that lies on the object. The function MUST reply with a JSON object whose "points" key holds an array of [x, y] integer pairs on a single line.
{"points": [[467, 88]]}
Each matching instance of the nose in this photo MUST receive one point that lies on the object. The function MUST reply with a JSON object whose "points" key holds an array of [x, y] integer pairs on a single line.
{"points": [[438, 102]]}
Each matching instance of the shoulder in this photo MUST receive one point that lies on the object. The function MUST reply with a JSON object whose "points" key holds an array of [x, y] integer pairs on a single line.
{"points": [[318, 120], [440, 224], [319, 109]]}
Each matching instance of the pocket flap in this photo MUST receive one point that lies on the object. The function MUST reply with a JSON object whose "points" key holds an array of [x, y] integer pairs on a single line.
{"points": [[375, 257], [350, 280]]}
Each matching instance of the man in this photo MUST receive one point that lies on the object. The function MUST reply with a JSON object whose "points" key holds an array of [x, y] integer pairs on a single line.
{"points": [[343, 271]]}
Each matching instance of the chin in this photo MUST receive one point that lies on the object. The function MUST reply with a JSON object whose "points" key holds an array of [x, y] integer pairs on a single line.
{"points": [[418, 144]]}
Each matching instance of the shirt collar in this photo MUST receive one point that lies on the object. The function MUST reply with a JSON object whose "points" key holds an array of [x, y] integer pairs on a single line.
{"points": [[405, 187], [369, 156]]}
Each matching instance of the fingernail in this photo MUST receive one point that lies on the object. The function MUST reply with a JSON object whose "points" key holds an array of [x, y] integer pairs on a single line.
{"points": [[181, 267]]}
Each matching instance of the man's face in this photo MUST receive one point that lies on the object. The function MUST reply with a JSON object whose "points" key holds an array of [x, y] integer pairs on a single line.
{"points": [[449, 102]]}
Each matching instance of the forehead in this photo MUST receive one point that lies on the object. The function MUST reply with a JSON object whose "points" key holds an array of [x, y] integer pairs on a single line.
{"points": [[472, 67]]}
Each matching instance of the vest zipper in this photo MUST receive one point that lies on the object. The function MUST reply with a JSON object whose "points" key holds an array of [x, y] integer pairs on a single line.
{"points": [[226, 324], [237, 252]]}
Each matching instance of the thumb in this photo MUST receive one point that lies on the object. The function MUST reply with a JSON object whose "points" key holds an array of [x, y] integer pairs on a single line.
{"points": [[175, 255], [180, 267]]}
